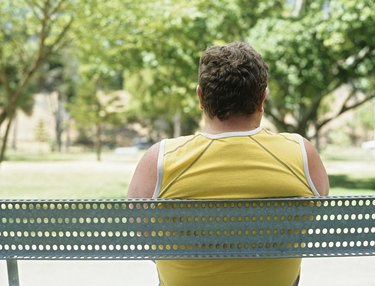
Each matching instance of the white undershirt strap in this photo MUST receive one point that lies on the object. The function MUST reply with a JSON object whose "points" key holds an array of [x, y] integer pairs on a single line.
{"points": [[306, 166], [160, 170]]}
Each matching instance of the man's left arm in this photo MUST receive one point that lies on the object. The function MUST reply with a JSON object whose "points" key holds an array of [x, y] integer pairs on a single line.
{"points": [[317, 171]]}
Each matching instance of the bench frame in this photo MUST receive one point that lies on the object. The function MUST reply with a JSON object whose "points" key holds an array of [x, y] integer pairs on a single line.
{"points": [[185, 229]]}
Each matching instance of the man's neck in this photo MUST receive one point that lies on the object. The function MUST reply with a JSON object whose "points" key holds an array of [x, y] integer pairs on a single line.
{"points": [[232, 124]]}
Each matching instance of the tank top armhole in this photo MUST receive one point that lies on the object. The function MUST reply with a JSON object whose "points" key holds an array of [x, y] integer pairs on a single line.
{"points": [[160, 170], [306, 166]]}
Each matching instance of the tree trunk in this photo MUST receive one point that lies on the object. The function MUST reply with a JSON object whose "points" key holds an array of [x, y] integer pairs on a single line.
{"points": [[59, 121], [177, 124], [3, 117], [68, 141], [301, 129], [317, 138], [15, 132], [5, 140], [298, 7], [98, 142]]}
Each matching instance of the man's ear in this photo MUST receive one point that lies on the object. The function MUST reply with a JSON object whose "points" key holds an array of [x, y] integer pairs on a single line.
{"points": [[200, 97], [264, 96]]}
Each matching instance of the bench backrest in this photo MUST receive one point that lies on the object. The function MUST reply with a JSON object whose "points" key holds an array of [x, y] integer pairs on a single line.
{"points": [[187, 229]]}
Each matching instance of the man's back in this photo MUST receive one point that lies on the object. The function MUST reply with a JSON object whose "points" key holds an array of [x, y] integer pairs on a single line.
{"points": [[250, 164]]}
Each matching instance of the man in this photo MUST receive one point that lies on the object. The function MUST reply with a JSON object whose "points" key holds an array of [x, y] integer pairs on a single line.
{"points": [[233, 157]]}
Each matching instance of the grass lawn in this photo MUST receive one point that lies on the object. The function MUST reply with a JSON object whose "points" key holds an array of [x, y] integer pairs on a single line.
{"points": [[58, 176], [351, 171]]}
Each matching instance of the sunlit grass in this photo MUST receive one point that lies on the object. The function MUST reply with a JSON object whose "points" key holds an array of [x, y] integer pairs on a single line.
{"points": [[82, 178], [347, 154], [351, 172]]}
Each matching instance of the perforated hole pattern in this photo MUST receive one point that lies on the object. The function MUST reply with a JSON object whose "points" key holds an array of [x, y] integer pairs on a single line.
{"points": [[187, 229]]}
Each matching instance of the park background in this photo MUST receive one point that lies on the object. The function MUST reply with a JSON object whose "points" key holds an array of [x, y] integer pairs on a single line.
{"points": [[86, 86]]}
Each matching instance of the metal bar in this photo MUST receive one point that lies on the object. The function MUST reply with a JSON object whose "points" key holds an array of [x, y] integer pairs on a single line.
{"points": [[13, 272], [187, 229]]}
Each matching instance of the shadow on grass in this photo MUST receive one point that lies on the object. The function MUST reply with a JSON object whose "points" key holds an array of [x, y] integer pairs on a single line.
{"points": [[346, 182]]}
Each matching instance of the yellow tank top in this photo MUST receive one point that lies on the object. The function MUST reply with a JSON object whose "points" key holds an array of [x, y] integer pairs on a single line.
{"points": [[233, 165]]}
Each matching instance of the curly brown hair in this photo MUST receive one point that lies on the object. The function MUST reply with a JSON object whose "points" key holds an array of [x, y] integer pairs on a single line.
{"points": [[232, 80]]}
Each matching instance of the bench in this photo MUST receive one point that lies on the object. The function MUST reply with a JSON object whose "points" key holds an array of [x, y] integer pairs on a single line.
{"points": [[185, 229]]}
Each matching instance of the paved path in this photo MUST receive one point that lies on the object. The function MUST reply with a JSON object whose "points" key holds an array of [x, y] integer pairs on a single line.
{"points": [[348, 271], [84, 273], [356, 271]]}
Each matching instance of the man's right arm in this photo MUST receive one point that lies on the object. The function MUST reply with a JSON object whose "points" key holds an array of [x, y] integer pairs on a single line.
{"points": [[144, 179]]}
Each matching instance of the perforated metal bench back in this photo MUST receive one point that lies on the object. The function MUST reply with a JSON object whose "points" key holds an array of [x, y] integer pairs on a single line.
{"points": [[187, 229]]}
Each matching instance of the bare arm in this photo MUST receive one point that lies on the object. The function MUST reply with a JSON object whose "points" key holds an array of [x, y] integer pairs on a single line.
{"points": [[317, 171], [144, 179]]}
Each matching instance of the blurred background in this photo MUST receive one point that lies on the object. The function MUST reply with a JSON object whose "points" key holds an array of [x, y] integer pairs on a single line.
{"points": [[87, 85]]}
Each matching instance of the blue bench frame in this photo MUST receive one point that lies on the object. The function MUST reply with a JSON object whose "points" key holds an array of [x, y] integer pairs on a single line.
{"points": [[185, 229]]}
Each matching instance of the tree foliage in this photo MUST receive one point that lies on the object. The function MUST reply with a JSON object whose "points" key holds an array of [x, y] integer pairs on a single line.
{"points": [[30, 32], [87, 50], [327, 45], [182, 31], [96, 107]]}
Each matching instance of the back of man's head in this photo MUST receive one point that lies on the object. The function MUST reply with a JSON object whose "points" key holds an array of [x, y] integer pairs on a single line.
{"points": [[232, 80]]}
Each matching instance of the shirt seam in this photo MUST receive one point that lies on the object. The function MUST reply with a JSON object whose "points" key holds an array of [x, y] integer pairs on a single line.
{"points": [[188, 167], [280, 161], [182, 145]]}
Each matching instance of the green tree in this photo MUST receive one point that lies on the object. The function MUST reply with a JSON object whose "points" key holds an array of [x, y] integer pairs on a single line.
{"points": [[59, 77], [157, 45], [365, 120], [41, 134], [181, 31], [109, 41], [30, 32], [96, 108], [311, 53]]}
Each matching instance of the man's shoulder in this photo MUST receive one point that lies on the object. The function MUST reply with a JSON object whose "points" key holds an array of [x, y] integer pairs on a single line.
{"points": [[180, 140], [182, 143], [285, 136]]}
